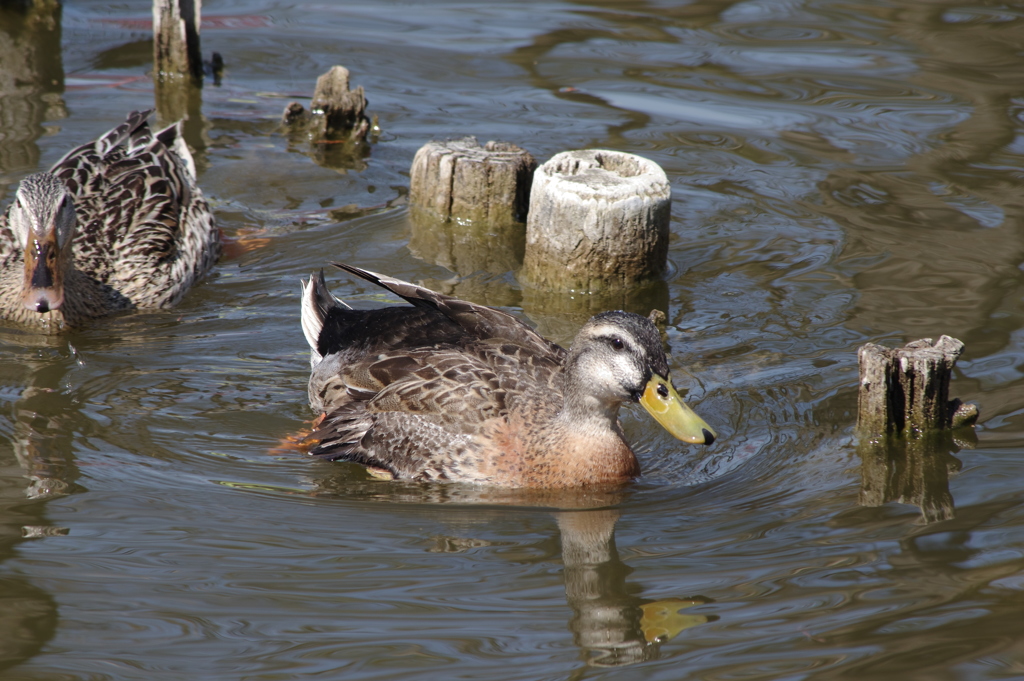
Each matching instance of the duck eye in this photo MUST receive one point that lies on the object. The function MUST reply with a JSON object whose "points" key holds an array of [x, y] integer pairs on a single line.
{"points": [[663, 391], [617, 343]]}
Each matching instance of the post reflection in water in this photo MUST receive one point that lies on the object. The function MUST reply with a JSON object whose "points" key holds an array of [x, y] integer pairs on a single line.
{"points": [[31, 80], [35, 452], [913, 470]]}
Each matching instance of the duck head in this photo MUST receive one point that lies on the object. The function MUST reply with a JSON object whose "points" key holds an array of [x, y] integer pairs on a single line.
{"points": [[43, 219], [618, 357]]}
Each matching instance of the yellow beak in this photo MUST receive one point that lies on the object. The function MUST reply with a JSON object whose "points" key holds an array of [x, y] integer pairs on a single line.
{"points": [[665, 405]]}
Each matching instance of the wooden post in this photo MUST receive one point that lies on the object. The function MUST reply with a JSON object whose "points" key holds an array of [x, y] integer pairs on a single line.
{"points": [[177, 62], [904, 423], [906, 390], [598, 220], [461, 181], [176, 39]]}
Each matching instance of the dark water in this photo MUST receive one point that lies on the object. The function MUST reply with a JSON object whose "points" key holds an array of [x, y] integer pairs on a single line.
{"points": [[841, 172]]}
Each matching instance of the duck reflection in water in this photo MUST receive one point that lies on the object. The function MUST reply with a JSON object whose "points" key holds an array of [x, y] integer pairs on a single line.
{"points": [[36, 455], [612, 625], [42, 423]]}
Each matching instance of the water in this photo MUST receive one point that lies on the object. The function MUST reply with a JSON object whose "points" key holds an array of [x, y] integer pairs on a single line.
{"points": [[842, 173]]}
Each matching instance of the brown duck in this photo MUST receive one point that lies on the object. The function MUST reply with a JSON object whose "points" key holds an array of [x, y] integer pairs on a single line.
{"points": [[117, 224], [450, 390]]}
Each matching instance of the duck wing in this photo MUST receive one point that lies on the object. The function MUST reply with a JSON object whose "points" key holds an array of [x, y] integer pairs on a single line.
{"points": [[421, 414], [476, 321]]}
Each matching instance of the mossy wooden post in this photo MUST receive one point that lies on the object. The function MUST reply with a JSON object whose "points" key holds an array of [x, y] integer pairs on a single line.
{"points": [[598, 220], [463, 181], [469, 204], [904, 422]]}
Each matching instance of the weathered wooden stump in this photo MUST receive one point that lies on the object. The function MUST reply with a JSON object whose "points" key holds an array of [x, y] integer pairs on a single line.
{"points": [[338, 110], [461, 181], [335, 127], [598, 220], [906, 390], [335, 110], [905, 420]]}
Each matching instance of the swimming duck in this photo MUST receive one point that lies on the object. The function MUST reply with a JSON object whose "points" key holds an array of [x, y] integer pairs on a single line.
{"points": [[117, 224], [451, 390]]}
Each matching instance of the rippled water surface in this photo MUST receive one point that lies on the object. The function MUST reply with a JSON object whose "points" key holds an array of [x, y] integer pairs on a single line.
{"points": [[842, 173]]}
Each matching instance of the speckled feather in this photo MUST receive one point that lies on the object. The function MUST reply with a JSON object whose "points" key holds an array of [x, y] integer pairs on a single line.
{"points": [[450, 390], [144, 231]]}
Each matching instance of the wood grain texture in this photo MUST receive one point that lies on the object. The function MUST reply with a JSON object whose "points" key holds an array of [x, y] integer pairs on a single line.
{"points": [[460, 180]]}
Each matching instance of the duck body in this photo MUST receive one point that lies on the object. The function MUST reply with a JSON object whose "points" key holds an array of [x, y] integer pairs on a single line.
{"points": [[116, 224], [450, 390]]}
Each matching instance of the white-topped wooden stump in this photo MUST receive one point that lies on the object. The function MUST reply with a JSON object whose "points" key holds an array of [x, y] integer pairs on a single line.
{"points": [[598, 220]]}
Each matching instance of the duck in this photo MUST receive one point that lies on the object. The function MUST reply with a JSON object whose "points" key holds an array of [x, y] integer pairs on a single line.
{"points": [[448, 390], [116, 224]]}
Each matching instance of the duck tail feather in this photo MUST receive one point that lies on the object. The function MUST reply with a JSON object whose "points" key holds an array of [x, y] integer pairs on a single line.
{"points": [[134, 130], [317, 303], [173, 138], [134, 125]]}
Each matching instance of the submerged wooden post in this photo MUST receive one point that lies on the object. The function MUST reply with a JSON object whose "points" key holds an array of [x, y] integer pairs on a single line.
{"points": [[176, 39], [905, 420], [598, 220], [335, 110], [459, 180], [338, 110]]}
